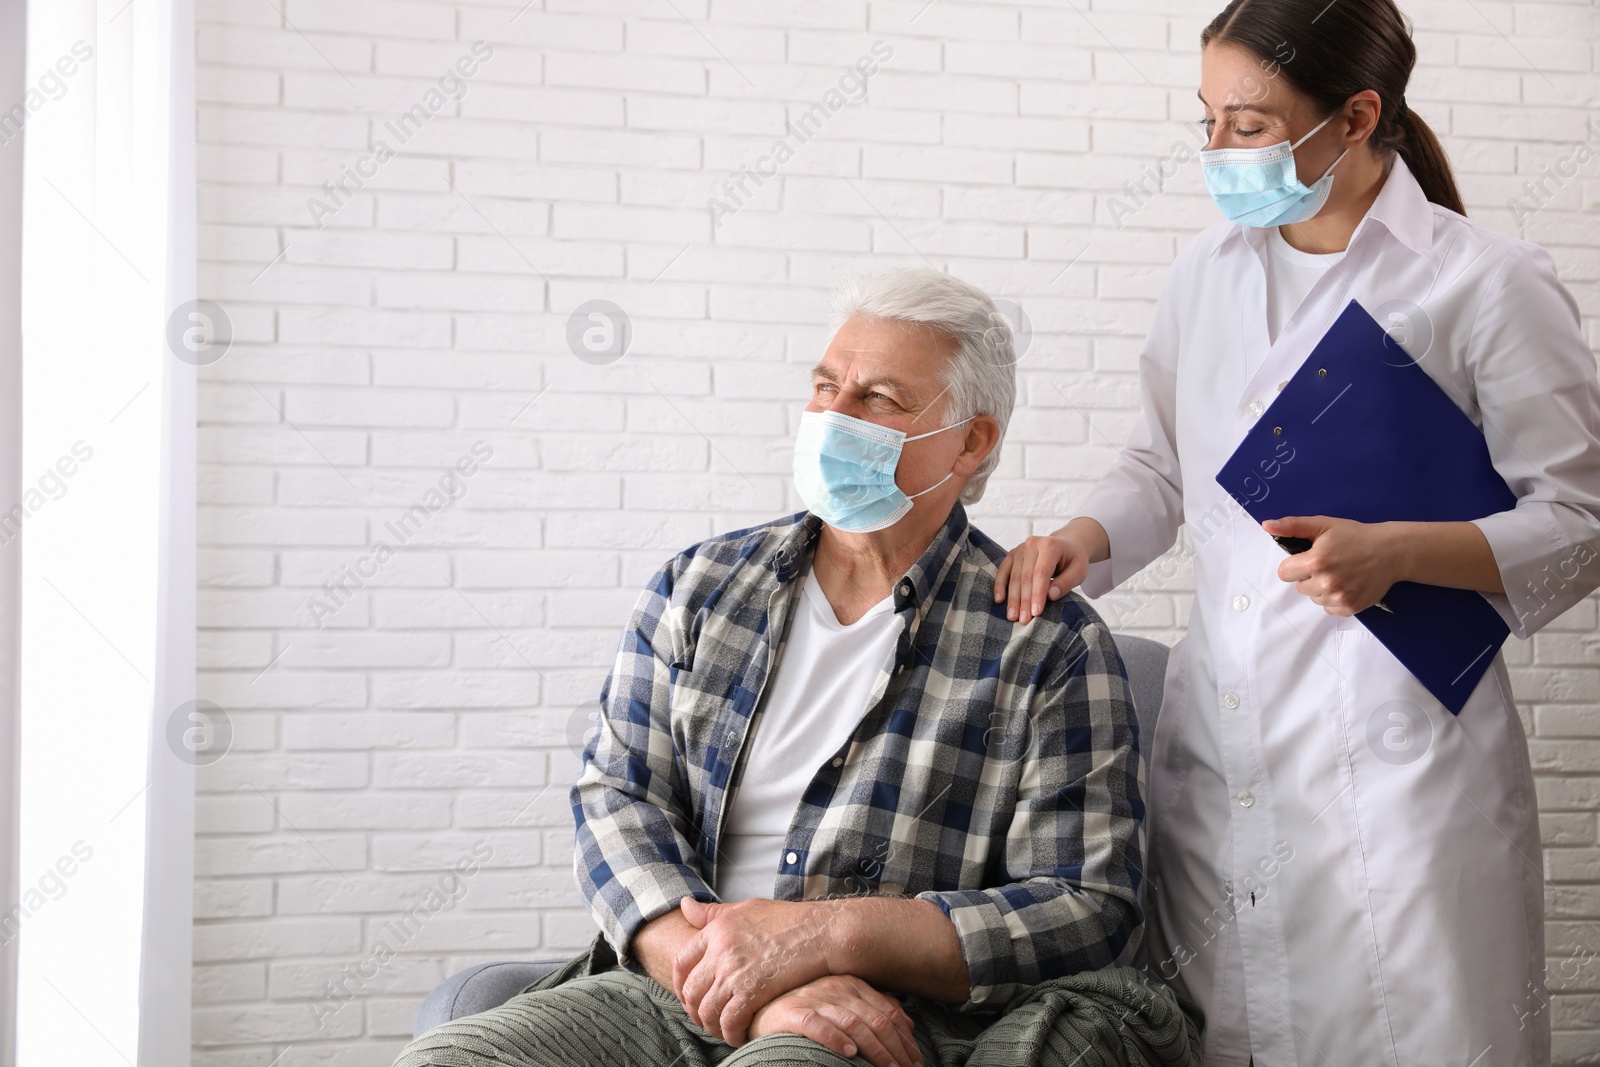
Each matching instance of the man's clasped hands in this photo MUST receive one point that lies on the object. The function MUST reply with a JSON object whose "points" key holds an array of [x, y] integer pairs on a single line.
{"points": [[756, 967]]}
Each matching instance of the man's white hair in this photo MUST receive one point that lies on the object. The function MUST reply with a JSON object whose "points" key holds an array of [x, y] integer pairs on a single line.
{"points": [[981, 378]]}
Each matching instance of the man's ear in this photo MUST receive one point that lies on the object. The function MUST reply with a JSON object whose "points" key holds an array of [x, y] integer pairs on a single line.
{"points": [[983, 436]]}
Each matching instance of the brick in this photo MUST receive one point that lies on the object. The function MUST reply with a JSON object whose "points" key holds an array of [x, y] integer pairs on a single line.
{"points": [[274, 855], [222, 982], [682, 38], [281, 47], [630, 72], [493, 849], [310, 406], [399, 18], [374, 811], [361, 732], [217, 124]]}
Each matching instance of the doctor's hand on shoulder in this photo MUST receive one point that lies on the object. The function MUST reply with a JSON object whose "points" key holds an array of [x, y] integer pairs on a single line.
{"points": [[1350, 564], [1048, 566]]}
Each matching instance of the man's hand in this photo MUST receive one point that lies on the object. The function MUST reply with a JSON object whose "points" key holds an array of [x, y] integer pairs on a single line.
{"points": [[848, 1016], [747, 953]]}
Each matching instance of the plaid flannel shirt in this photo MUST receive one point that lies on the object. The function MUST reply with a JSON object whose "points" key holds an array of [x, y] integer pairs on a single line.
{"points": [[995, 770]]}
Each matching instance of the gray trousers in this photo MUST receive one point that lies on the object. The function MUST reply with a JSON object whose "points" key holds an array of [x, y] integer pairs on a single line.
{"points": [[620, 1018], [614, 1019]]}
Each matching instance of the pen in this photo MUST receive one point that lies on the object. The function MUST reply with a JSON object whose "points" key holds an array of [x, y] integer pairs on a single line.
{"points": [[1293, 545]]}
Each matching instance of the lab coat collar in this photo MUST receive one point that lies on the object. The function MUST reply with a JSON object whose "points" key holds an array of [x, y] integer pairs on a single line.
{"points": [[1401, 208]]}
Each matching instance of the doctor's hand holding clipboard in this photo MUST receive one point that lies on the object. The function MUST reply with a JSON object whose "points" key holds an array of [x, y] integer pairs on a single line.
{"points": [[1341, 871]]}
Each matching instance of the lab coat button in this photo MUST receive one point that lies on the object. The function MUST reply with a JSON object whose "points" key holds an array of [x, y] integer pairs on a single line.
{"points": [[1231, 699], [1246, 798], [1256, 408], [1281, 385], [1227, 887], [1241, 602]]}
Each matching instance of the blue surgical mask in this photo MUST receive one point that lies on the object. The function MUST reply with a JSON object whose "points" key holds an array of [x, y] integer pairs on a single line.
{"points": [[1259, 187], [844, 470]]}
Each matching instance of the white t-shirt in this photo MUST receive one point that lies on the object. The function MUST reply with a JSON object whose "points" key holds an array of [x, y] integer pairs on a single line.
{"points": [[1290, 275], [816, 696]]}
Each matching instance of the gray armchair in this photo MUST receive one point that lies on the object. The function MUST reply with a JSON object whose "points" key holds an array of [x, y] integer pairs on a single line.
{"points": [[489, 985]]}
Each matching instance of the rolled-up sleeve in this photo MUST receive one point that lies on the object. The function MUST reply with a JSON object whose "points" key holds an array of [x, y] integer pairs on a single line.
{"points": [[1540, 403], [1139, 501], [634, 859], [1074, 849]]}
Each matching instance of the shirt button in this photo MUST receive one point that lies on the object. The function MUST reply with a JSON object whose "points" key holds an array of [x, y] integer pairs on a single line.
{"points": [[1227, 887], [1241, 602], [791, 857], [900, 669], [838, 761], [1246, 798], [1231, 699], [1281, 385], [905, 588]]}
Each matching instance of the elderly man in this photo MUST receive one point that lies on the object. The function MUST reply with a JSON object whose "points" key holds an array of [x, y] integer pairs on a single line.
{"points": [[838, 809]]}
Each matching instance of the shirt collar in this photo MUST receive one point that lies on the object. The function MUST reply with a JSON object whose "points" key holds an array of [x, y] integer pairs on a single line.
{"points": [[917, 585], [795, 547], [1401, 208], [914, 587]]}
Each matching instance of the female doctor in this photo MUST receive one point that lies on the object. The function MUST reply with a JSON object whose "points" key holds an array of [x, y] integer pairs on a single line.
{"points": [[1341, 872]]}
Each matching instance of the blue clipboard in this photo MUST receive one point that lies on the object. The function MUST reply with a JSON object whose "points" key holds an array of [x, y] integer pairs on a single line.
{"points": [[1361, 432]]}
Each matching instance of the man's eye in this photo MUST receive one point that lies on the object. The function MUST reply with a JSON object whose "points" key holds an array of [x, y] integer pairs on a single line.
{"points": [[1248, 133]]}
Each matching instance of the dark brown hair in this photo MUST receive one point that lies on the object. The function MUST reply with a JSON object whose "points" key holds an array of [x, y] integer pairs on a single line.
{"points": [[1330, 52]]}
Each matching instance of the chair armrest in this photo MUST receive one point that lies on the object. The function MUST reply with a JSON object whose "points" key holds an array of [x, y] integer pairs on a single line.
{"points": [[488, 985]]}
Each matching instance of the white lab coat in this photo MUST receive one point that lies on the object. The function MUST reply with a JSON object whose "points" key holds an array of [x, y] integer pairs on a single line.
{"points": [[1392, 849]]}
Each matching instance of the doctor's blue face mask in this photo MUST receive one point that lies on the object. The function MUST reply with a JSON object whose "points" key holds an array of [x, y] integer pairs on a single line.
{"points": [[844, 470], [1259, 187]]}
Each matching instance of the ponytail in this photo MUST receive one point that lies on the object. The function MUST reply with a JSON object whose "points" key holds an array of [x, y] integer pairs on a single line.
{"points": [[1352, 46], [1425, 156]]}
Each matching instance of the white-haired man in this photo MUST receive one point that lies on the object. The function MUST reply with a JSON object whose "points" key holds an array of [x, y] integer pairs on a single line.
{"points": [[838, 809]]}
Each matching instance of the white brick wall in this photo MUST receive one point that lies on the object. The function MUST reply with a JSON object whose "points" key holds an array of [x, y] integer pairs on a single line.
{"points": [[430, 714]]}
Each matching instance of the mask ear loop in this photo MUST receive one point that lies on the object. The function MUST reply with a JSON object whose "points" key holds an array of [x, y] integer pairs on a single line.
{"points": [[1313, 130], [930, 433], [941, 429], [1307, 137], [1335, 163], [932, 487]]}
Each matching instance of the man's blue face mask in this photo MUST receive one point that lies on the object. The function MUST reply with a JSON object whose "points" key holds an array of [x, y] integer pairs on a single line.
{"points": [[844, 470], [1259, 187]]}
